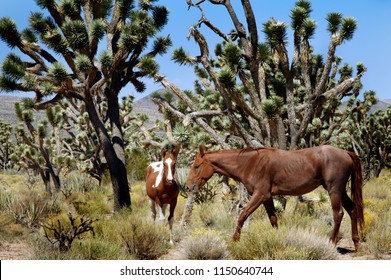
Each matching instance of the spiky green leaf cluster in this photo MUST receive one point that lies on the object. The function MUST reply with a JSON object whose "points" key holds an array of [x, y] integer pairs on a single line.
{"points": [[29, 82], [54, 115], [160, 16], [344, 26], [76, 34], [137, 32], [58, 72], [46, 28], [106, 59], [46, 88], [29, 35], [9, 32], [125, 7], [83, 63], [42, 130], [181, 134], [273, 106], [226, 77], [97, 29], [148, 65], [276, 32], [70, 8], [180, 56], [346, 71], [308, 28], [349, 26], [298, 15], [45, 3], [334, 22], [161, 44], [232, 55], [13, 67]]}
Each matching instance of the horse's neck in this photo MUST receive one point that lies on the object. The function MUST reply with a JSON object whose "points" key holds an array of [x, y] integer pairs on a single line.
{"points": [[229, 163]]}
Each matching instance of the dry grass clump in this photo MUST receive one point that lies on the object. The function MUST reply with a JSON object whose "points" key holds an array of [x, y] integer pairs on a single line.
{"points": [[377, 194], [378, 238], [202, 245], [144, 239], [264, 242]]}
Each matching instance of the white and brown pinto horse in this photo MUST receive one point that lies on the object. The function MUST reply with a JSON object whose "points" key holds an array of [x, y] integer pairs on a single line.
{"points": [[267, 172], [162, 187]]}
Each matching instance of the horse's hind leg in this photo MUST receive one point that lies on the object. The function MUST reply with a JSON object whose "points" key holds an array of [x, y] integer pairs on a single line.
{"points": [[271, 212], [336, 205], [349, 206]]}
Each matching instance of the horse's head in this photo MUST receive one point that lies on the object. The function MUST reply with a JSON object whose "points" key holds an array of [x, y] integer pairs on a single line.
{"points": [[169, 161], [200, 172]]}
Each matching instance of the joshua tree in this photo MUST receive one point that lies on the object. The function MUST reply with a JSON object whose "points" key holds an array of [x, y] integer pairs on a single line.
{"points": [[254, 92], [6, 146], [33, 151], [62, 59], [371, 135]]}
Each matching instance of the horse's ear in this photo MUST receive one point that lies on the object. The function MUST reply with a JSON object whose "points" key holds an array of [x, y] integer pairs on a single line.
{"points": [[176, 149], [201, 150], [163, 153]]}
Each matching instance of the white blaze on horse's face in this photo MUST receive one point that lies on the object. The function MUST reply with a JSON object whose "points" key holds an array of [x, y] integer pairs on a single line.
{"points": [[170, 176]]}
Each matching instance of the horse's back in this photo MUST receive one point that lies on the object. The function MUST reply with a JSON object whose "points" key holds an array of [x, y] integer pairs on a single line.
{"points": [[301, 171]]}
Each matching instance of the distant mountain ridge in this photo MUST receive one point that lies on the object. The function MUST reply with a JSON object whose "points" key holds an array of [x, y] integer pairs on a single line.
{"points": [[7, 109], [144, 105]]}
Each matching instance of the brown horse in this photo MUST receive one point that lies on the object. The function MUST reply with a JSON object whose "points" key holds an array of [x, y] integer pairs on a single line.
{"points": [[267, 172], [162, 187]]}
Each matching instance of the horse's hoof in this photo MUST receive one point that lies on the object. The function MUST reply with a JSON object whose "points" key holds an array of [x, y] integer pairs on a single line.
{"points": [[236, 237], [357, 246]]}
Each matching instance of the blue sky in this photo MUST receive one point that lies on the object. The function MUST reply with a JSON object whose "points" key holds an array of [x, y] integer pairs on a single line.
{"points": [[371, 43]]}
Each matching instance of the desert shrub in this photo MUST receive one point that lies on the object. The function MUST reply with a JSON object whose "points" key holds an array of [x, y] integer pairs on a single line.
{"points": [[137, 162], [378, 237], [215, 215], [202, 245], [97, 249], [8, 227], [30, 209], [80, 182], [144, 239], [64, 232], [93, 204], [7, 199], [282, 244]]}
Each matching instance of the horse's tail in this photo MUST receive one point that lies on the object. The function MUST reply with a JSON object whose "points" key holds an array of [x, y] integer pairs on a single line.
{"points": [[356, 188]]}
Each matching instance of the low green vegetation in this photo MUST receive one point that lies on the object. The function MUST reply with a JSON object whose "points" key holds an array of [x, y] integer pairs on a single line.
{"points": [[31, 216]]}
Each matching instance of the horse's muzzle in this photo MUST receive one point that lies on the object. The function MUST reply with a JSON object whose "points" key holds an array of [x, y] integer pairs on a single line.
{"points": [[169, 182], [191, 188]]}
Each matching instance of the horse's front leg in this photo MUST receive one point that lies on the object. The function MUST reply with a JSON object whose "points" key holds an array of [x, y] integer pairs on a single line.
{"points": [[256, 200], [152, 205], [162, 212], [171, 219]]}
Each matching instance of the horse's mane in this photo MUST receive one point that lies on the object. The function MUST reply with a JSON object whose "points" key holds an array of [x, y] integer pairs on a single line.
{"points": [[241, 151], [257, 149]]}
